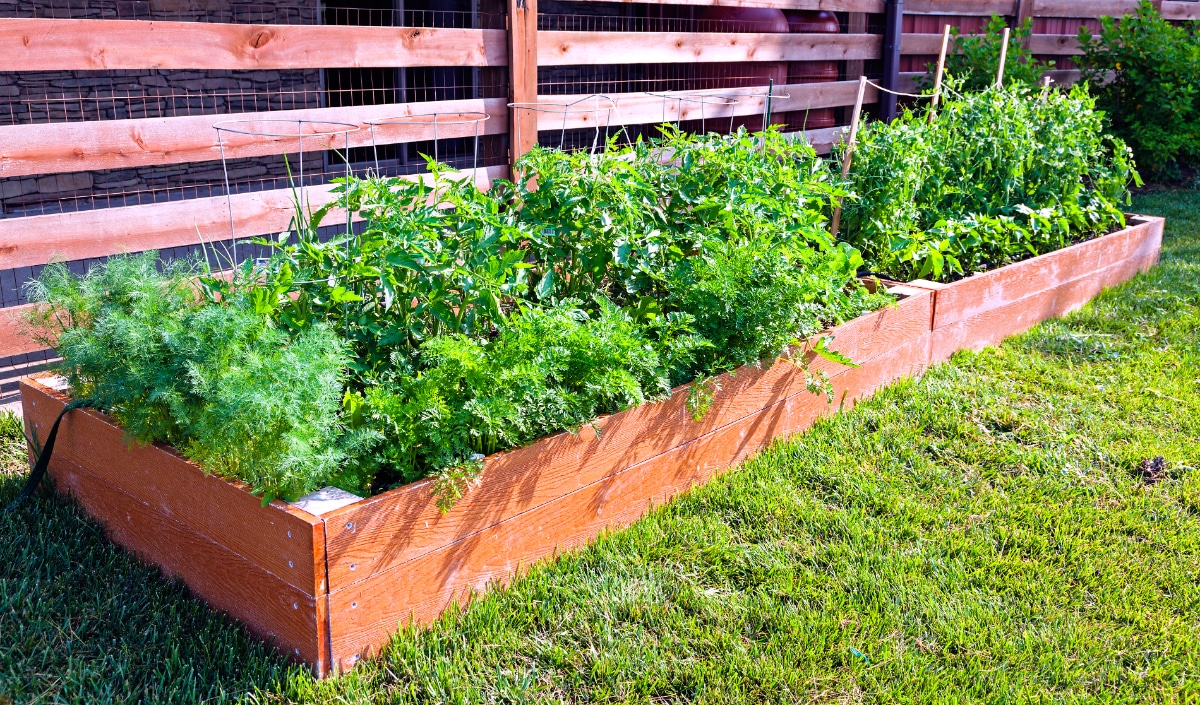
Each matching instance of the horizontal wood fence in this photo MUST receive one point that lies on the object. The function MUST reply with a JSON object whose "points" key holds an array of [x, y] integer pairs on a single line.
{"points": [[68, 148]]}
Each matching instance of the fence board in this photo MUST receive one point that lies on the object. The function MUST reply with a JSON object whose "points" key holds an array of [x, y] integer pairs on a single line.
{"points": [[38, 239], [52, 44], [571, 48], [1041, 44], [641, 108], [1181, 10], [115, 144], [872, 6], [984, 8]]}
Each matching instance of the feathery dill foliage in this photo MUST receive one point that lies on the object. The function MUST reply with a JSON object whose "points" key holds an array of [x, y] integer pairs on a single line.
{"points": [[463, 322], [997, 177], [214, 379]]}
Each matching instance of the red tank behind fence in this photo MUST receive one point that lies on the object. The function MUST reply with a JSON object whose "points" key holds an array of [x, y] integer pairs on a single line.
{"points": [[740, 76], [811, 22]]}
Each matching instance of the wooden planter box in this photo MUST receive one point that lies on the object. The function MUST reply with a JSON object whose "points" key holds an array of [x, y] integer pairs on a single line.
{"points": [[985, 308], [328, 587]]}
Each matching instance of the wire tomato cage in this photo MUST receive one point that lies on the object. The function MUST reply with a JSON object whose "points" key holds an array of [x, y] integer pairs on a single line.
{"points": [[717, 101], [580, 110], [423, 122], [322, 136]]}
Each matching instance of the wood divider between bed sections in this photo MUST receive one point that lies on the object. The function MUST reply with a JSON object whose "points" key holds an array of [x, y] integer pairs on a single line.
{"points": [[983, 309]]}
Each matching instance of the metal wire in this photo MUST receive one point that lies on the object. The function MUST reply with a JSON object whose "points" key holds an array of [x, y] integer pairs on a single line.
{"points": [[276, 130], [599, 104], [423, 120]]}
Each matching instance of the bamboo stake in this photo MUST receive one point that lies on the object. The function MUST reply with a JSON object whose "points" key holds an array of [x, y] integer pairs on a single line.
{"points": [[837, 212], [937, 77], [1003, 58]]}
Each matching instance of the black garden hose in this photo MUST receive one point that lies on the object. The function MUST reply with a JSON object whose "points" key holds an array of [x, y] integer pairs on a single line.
{"points": [[43, 459]]}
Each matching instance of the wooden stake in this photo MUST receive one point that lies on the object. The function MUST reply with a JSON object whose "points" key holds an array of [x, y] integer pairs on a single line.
{"points": [[837, 212], [1003, 58], [937, 77]]}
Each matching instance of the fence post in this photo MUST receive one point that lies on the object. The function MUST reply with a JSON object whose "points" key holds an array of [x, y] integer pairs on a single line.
{"points": [[1024, 11], [522, 76], [894, 18], [856, 23]]}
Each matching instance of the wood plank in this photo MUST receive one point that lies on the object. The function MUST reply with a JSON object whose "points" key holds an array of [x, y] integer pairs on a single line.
{"points": [[823, 140], [642, 108], [993, 326], [1055, 44], [13, 340], [869, 6], [101, 232], [974, 8], [968, 298], [1180, 10], [89, 45], [383, 531], [523, 60], [364, 614], [274, 610], [1084, 9], [120, 144], [569, 48], [277, 538], [856, 23]]}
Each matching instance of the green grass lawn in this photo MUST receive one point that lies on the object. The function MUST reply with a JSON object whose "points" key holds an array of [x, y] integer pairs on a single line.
{"points": [[981, 535]]}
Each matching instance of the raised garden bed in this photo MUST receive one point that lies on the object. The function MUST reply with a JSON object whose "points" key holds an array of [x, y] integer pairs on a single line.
{"points": [[328, 586], [983, 309]]}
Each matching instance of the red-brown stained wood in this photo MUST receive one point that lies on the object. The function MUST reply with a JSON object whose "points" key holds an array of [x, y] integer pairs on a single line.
{"points": [[90, 45], [279, 538], [13, 340], [569, 48], [45, 148], [363, 614], [983, 309], [278, 612], [394, 527], [77, 235], [968, 297], [642, 108]]}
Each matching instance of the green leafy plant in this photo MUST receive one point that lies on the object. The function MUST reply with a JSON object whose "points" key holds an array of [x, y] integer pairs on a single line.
{"points": [[215, 379], [999, 176], [1145, 72], [974, 59]]}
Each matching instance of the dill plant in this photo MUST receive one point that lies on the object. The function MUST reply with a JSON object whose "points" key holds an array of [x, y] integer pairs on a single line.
{"points": [[215, 379], [999, 176]]}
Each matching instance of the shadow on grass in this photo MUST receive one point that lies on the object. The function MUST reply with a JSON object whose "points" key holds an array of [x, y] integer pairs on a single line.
{"points": [[83, 621]]}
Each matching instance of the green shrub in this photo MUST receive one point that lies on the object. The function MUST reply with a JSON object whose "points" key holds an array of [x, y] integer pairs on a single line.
{"points": [[974, 59], [214, 379], [999, 176], [1153, 98]]}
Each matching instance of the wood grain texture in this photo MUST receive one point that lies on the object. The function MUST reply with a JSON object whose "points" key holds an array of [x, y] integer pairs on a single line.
{"points": [[642, 108], [984, 8], [278, 612], [523, 62], [90, 45], [389, 529], [47, 148], [278, 538], [976, 294], [828, 5], [1180, 10], [567, 48], [364, 614], [106, 231], [13, 340], [991, 327]]}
